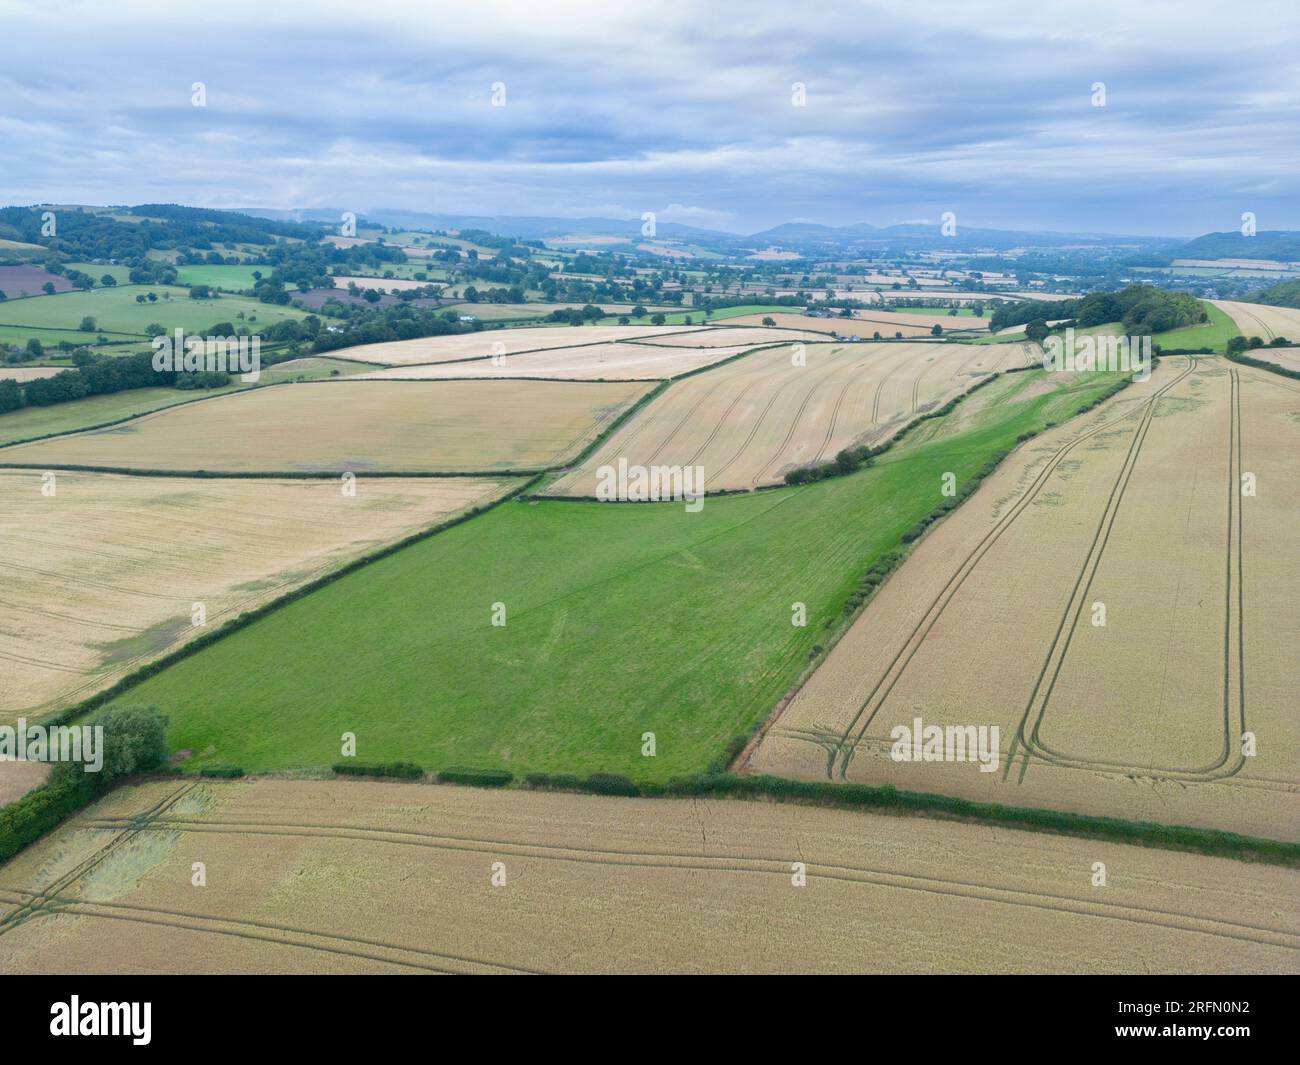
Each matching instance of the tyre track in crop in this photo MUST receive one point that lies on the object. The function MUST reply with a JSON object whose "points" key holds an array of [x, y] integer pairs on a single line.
{"points": [[903, 657], [128, 829], [743, 863], [259, 931], [1057, 653]]}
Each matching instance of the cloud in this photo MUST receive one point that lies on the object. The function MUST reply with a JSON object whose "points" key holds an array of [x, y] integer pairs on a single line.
{"points": [[911, 110]]}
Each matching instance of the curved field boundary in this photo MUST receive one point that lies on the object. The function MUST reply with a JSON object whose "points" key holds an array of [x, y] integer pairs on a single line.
{"points": [[1056, 655], [902, 659], [742, 863]]}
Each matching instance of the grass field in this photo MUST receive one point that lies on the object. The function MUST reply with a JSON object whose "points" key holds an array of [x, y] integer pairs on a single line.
{"points": [[1141, 715], [1213, 334], [749, 421], [316, 877], [229, 278], [31, 422], [102, 576], [620, 619], [336, 426], [118, 316]]}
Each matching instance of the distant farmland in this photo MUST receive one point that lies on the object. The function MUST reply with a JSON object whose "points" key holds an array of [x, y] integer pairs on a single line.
{"points": [[496, 341]]}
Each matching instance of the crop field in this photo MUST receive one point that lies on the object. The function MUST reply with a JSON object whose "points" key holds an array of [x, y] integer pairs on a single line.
{"points": [[917, 319], [742, 314], [618, 619], [785, 319], [1151, 635], [117, 314], [749, 421], [586, 362], [102, 576], [497, 341], [27, 373], [1287, 358], [731, 336], [31, 422], [351, 426], [316, 877], [1261, 320]]}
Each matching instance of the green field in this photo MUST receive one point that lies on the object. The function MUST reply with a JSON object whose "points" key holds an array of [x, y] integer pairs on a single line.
{"points": [[229, 278], [118, 316], [1213, 334], [621, 619], [31, 422]]}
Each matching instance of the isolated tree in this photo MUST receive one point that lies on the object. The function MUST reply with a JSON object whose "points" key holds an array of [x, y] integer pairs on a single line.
{"points": [[87, 325], [48, 288], [34, 348], [936, 330], [769, 320], [108, 281]]}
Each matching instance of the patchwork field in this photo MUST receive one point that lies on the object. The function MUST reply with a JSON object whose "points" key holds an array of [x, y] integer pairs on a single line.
{"points": [[117, 314], [460, 426], [318, 876], [619, 619], [748, 422], [1257, 319], [103, 576], [1113, 602], [732, 336], [498, 342]]}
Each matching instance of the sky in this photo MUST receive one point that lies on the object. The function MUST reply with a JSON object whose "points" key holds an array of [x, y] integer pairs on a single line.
{"points": [[691, 110]]}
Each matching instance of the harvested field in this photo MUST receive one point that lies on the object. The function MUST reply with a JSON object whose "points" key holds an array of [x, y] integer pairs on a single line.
{"points": [[1260, 320], [1137, 711], [383, 284], [748, 422], [788, 321], [28, 373], [589, 362], [488, 342], [333, 426], [103, 576], [317, 876], [914, 324], [31, 422]]}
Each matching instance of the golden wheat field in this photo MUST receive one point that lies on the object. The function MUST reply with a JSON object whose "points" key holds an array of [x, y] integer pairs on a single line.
{"points": [[335, 426], [1115, 600], [332, 876], [1257, 319], [587, 362], [749, 421], [506, 342], [1287, 358], [103, 575]]}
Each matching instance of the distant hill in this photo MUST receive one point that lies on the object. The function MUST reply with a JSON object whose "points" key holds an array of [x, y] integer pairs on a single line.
{"points": [[1278, 244], [1283, 294]]}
